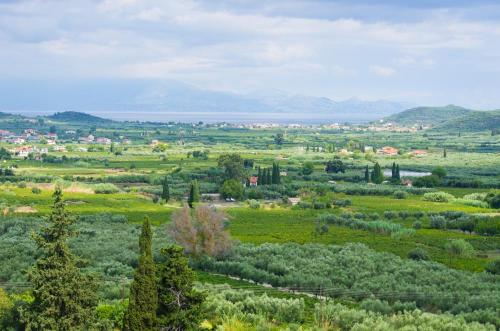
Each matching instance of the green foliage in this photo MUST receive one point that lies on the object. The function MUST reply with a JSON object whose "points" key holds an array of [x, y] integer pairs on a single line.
{"points": [[56, 275], [418, 254], [335, 166], [308, 168], [356, 272], [439, 172], [143, 301], [105, 188], [377, 176], [362, 320], [232, 165], [400, 195], [494, 267], [438, 197], [179, 305], [6, 310], [427, 181], [4, 154], [165, 192], [459, 247], [232, 188], [250, 306], [194, 193]]}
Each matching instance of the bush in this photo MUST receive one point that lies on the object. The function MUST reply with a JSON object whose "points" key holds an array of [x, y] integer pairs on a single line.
{"points": [[438, 197], [400, 195], [437, 222], [254, 204], [459, 247], [36, 190], [494, 267], [418, 254], [232, 188], [417, 225], [105, 188]]}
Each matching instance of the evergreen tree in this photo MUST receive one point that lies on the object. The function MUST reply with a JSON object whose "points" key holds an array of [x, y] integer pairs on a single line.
{"points": [[259, 177], [143, 301], [278, 174], [393, 170], [63, 297], [377, 176], [397, 174], [367, 175], [268, 176], [444, 152], [194, 193], [179, 305], [165, 193]]}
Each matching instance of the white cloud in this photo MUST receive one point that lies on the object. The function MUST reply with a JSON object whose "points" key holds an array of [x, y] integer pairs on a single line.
{"points": [[193, 42], [382, 71]]}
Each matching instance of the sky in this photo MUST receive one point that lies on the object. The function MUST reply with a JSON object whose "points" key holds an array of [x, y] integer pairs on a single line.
{"points": [[424, 52]]}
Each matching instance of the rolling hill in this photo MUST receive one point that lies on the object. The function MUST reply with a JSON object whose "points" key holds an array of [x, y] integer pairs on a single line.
{"points": [[77, 117], [473, 121], [428, 115]]}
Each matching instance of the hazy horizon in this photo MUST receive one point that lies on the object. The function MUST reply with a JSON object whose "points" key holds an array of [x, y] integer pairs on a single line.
{"points": [[425, 53]]}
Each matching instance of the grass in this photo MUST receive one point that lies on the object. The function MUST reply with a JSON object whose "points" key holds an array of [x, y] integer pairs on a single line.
{"points": [[285, 225]]}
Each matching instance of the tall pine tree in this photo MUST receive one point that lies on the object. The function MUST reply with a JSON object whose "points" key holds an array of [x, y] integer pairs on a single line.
{"points": [[194, 193], [143, 301], [393, 170], [165, 193], [377, 176], [63, 297], [397, 174], [367, 175], [179, 305]]}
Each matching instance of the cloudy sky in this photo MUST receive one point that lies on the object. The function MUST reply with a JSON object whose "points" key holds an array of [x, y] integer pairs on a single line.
{"points": [[432, 53]]}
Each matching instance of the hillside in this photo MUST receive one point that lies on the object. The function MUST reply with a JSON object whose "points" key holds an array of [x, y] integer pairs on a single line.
{"points": [[428, 115], [73, 116], [474, 121]]}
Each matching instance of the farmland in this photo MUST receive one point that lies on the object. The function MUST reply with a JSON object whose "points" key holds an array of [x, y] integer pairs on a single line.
{"points": [[285, 192]]}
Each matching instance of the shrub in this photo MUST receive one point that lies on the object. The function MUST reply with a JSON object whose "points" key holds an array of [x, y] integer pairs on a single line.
{"points": [[417, 225], [438, 197], [418, 254], [459, 247], [254, 204], [400, 195], [105, 188], [493, 267], [437, 222], [390, 214], [36, 190]]}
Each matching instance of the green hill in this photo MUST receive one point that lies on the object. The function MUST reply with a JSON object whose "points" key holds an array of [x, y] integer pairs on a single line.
{"points": [[473, 121], [73, 116], [428, 115]]}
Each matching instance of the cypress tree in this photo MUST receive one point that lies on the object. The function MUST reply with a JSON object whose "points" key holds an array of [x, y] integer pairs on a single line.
{"points": [[268, 176], [278, 174], [259, 177], [367, 175], [377, 175], [393, 170], [398, 176], [444, 152], [165, 193], [179, 305], [194, 193], [143, 301], [63, 297]]}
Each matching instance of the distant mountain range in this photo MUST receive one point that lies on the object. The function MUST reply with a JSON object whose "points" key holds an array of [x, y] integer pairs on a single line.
{"points": [[171, 96]]}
